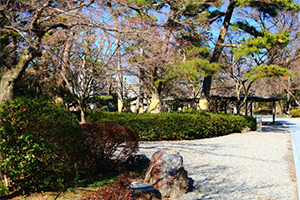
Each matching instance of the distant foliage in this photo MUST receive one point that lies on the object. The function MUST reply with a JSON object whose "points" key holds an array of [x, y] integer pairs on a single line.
{"points": [[107, 142], [295, 113], [115, 191], [262, 111], [175, 126], [39, 144], [263, 108]]}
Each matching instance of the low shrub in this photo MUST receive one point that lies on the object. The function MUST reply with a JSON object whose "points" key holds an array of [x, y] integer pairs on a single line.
{"points": [[295, 113], [107, 142], [174, 126], [251, 122], [39, 144]]}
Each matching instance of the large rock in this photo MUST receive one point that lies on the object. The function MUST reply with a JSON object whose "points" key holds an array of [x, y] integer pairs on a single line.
{"points": [[166, 173]]}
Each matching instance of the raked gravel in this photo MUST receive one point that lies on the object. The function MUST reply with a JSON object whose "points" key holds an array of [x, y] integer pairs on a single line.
{"points": [[253, 165]]}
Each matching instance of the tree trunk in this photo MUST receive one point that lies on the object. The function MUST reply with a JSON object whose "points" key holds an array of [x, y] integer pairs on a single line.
{"points": [[140, 100], [219, 47], [238, 107], [82, 112], [238, 97], [10, 77], [7, 86], [290, 94], [82, 116], [155, 104], [65, 63], [119, 78]]}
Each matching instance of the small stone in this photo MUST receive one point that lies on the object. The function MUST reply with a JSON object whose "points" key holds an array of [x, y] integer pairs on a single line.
{"points": [[144, 191], [245, 130]]}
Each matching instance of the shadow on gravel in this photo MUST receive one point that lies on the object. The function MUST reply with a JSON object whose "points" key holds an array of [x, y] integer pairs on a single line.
{"points": [[275, 128], [288, 123], [213, 187], [179, 145], [208, 149], [191, 184]]}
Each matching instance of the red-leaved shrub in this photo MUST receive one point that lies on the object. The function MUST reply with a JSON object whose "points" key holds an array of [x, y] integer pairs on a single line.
{"points": [[106, 142], [114, 191]]}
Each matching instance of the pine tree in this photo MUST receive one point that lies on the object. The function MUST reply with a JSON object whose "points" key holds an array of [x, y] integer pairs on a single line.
{"points": [[270, 8]]}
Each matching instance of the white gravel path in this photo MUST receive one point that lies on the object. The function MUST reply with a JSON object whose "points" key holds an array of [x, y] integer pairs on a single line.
{"points": [[253, 165]]}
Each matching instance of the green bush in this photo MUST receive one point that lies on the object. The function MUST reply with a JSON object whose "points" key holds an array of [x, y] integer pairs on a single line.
{"points": [[174, 126], [295, 113], [39, 144], [262, 112]]}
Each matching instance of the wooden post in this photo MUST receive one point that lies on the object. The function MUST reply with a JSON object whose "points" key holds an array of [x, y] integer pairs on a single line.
{"points": [[246, 107], [274, 111], [251, 108]]}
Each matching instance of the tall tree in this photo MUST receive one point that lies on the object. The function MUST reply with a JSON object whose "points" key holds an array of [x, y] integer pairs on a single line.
{"points": [[285, 55], [162, 38], [252, 61], [25, 23], [86, 66], [269, 8]]}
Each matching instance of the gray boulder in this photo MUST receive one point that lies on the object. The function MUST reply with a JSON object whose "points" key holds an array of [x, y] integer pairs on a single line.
{"points": [[166, 173]]}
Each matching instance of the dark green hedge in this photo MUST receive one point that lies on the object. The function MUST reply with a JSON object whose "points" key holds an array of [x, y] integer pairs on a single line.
{"points": [[39, 144], [174, 126]]}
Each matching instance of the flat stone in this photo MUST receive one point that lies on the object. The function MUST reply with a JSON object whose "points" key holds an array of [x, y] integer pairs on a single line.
{"points": [[144, 191]]}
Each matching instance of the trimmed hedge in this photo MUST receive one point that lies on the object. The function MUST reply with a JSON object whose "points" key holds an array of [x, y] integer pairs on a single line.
{"points": [[176, 126], [295, 113]]}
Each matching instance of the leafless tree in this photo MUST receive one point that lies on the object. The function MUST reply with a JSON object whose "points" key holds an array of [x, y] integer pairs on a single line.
{"points": [[25, 24]]}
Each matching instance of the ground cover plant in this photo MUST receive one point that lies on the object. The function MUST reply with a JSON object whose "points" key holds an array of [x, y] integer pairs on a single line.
{"points": [[114, 191]]}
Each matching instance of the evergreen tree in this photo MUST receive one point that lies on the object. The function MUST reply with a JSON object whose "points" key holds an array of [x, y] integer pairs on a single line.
{"points": [[268, 8]]}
